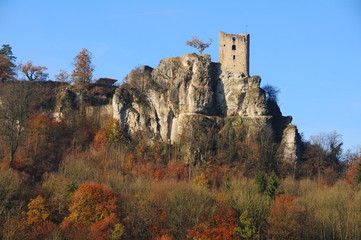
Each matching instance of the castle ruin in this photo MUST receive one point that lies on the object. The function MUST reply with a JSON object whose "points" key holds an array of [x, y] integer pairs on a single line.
{"points": [[234, 53]]}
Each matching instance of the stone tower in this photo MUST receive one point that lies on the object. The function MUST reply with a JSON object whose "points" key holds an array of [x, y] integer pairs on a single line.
{"points": [[234, 53]]}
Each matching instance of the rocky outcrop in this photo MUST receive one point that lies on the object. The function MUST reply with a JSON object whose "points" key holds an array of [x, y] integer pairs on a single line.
{"points": [[166, 101], [289, 149]]}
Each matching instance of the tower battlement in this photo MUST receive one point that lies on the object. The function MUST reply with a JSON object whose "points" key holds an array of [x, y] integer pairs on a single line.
{"points": [[234, 53]]}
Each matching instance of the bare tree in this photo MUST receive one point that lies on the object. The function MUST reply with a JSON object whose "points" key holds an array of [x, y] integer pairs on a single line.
{"points": [[140, 77], [15, 108], [199, 44], [271, 92]]}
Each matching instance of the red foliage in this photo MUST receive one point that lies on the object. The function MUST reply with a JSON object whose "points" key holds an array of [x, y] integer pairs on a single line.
{"points": [[102, 229], [74, 231], [40, 230], [159, 175], [177, 170], [352, 172], [286, 218], [221, 227], [100, 138]]}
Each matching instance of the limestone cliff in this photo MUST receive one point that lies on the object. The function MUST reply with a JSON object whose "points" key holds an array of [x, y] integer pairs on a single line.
{"points": [[165, 102]]}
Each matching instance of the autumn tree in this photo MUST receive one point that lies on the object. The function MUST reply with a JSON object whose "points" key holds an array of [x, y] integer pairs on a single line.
{"points": [[91, 203], [324, 151], [63, 76], [93, 212], [46, 142], [199, 44], [221, 226], [7, 63], [246, 229], [286, 219], [83, 68], [37, 211], [34, 73], [37, 225]]}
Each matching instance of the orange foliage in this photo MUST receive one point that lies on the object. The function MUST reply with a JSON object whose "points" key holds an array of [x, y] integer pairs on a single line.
{"points": [[221, 227], [159, 175], [177, 170], [352, 172], [91, 203], [83, 71], [100, 138], [36, 224], [40, 123], [102, 229], [286, 218], [164, 237], [34, 73]]}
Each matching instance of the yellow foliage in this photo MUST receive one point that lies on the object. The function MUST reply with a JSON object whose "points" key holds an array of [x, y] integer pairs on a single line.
{"points": [[37, 211], [201, 180]]}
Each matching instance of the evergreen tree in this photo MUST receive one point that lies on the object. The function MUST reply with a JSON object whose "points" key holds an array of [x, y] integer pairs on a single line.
{"points": [[272, 185], [7, 64], [358, 172], [261, 182]]}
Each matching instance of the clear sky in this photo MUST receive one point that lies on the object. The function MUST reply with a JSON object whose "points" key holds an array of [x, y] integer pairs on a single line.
{"points": [[310, 50]]}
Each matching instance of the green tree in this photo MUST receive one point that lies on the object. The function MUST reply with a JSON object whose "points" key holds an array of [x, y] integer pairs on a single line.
{"points": [[272, 185], [261, 182], [358, 172], [246, 230], [7, 63], [114, 131]]}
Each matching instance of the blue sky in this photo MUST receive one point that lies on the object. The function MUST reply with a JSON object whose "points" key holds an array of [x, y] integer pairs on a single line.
{"points": [[309, 49]]}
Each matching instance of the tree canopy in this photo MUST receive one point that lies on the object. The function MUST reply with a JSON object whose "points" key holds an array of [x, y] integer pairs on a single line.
{"points": [[83, 71], [7, 63]]}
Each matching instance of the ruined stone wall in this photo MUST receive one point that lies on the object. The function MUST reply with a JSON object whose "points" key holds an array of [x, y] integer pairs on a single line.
{"points": [[234, 53]]}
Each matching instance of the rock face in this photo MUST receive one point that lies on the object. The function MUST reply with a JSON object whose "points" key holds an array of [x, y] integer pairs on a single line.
{"points": [[165, 101], [289, 150]]}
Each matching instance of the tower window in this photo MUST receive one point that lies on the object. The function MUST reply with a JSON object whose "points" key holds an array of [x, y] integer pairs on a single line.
{"points": [[234, 57], [234, 38], [233, 47]]}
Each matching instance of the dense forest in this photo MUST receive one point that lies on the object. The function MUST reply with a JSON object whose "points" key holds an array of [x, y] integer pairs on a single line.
{"points": [[71, 176]]}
